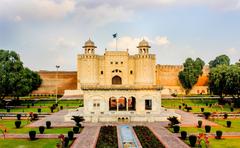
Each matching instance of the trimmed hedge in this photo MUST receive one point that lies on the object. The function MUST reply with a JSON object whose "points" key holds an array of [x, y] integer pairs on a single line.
{"points": [[107, 137]]}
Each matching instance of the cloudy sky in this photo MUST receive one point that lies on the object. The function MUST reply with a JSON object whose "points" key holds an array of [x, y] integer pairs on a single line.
{"points": [[50, 32]]}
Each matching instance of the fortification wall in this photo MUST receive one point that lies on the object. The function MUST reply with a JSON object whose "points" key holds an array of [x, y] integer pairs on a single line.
{"points": [[67, 80]]}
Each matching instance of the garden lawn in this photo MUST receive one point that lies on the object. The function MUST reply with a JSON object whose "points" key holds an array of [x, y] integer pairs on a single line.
{"points": [[216, 143], [25, 143], [197, 104], [234, 128], [10, 126], [27, 110], [64, 103]]}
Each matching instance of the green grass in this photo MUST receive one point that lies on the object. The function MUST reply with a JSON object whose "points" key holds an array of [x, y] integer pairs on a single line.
{"points": [[10, 126], [197, 104], [234, 128], [25, 143], [27, 110], [64, 103], [216, 143]]}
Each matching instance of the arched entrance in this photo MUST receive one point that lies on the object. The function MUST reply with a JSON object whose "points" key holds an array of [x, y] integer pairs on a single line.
{"points": [[132, 103], [122, 103], [116, 80], [112, 103]]}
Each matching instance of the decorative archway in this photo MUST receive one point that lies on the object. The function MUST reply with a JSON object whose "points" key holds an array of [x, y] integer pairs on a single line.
{"points": [[122, 104], [116, 80], [132, 103], [112, 103]]}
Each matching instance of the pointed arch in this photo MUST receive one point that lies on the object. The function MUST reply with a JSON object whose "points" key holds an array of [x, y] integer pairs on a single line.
{"points": [[116, 80]]}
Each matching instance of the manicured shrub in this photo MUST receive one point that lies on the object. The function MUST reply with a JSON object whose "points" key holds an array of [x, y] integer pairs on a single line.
{"points": [[70, 135], [76, 129], [8, 110], [66, 141], [61, 107], [28, 106], [41, 129], [188, 108], [218, 134], [179, 107], [207, 115], [39, 110], [18, 123], [232, 109], [176, 128], [19, 116], [32, 104], [183, 135], [35, 116], [210, 105], [183, 104], [207, 129], [206, 104], [225, 115], [192, 140], [32, 135], [229, 123], [199, 123], [202, 109], [48, 124]]}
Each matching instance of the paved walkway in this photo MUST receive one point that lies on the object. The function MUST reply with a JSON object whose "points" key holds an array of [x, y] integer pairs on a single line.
{"points": [[87, 138], [57, 120], [189, 119], [168, 139]]}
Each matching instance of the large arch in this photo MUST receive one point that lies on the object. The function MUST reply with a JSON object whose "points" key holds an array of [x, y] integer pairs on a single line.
{"points": [[122, 104], [116, 80], [132, 103], [112, 103]]}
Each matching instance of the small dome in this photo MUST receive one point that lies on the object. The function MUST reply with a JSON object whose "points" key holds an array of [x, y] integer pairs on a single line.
{"points": [[143, 43], [89, 43]]}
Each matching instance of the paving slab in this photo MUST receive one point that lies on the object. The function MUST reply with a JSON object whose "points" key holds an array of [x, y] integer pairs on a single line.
{"points": [[87, 138], [168, 139], [190, 119]]}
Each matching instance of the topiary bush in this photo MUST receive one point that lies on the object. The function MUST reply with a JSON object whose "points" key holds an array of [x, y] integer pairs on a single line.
{"points": [[48, 124], [70, 135], [35, 117], [199, 123], [66, 141], [202, 109], [207, 115], [207, 129], [39, 110], [19, 116], [183, 135], [8, 110], [232, 109], [229, 123], [179, 107], [192, 140], [18, 123], [176, 128], [225, 116], [41, 129], [61, 107], [32, 135], [76, 129], [218, 134]]}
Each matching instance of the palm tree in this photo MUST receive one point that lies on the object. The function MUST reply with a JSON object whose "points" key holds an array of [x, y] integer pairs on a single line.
{"points": [[78, 120]]}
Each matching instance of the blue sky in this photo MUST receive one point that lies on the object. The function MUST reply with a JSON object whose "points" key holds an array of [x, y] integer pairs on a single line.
{"points": [[50, 32]]}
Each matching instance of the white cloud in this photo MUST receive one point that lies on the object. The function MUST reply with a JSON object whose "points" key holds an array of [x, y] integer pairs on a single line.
{"points": [[35, 9], [131, 43], [161, 40]]}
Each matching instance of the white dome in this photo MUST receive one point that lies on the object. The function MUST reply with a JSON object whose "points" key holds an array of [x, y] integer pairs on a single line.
{"points": [[143, 43], [89, 43]]}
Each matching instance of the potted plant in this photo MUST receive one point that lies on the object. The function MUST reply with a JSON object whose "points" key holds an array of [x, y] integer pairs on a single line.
{"points": [[70, 135], [229, 123], [48, 124], [19, 116], [218, 134], [183, 135], [176, 128], [78, 120], [192, 140], [32, 135], [207, 129], [199, 123], [18, 123], [76, 129], [207, 115], [41, 129]]}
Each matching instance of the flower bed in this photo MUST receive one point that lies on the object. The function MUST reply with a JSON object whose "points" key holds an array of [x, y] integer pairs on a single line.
{"points": [[107, 137], [147, 138]]}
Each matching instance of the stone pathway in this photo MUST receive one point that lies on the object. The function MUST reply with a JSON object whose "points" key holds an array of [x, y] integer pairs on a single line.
{"points": [[57, 120], [87, 138], [189, 119], [168, 139]]}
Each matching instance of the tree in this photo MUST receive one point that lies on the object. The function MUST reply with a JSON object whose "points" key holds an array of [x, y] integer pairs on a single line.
{"points": [[188, 77], [16, 80], [219, 60]]}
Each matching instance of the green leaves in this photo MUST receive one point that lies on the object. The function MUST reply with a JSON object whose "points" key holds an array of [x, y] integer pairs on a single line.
{"points": [[189, 75], [220, 60], [16, 80]]}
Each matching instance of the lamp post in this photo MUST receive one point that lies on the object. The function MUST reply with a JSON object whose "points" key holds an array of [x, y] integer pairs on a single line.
{"points": [[57, 66]]}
